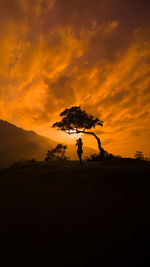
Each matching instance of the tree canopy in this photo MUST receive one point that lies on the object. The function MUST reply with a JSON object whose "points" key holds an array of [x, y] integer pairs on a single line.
{"points": [[75, 120]]}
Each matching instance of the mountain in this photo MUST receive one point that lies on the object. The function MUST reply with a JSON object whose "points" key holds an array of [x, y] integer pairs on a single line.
{"points": [[16, 143]]}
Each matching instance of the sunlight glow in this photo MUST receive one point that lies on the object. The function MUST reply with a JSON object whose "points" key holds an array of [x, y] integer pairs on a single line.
{"points": [[75, 135]]}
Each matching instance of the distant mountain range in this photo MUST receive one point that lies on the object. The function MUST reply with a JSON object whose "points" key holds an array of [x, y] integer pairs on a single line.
{"points": [[17, 143]]}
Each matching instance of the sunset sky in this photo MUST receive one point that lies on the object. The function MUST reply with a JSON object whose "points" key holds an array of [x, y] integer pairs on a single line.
{"points": [[55, 54]]}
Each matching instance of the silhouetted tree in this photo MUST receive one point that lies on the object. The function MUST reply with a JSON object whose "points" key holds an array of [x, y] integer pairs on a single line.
{"points": [[76, 121], [57, 153], [139, 155]]}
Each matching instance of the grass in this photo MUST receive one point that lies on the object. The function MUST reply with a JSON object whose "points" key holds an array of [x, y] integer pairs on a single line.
{"points": [[88, 211]]}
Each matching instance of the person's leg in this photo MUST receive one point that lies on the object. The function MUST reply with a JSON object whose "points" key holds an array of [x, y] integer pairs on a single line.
{"points": [[78, 155], [80, 158]]}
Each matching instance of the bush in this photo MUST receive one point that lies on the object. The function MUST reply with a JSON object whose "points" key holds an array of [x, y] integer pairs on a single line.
{"points": [[57, 153], [23, 162], [96, 157], [139, 155], [93, 157]]}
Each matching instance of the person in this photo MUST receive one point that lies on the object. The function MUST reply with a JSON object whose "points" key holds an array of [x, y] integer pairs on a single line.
{"points": [[79, 144]]}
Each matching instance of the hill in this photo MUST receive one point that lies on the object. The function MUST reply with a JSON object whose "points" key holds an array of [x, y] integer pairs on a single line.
{"points": [[71, 215], [16, 143]]}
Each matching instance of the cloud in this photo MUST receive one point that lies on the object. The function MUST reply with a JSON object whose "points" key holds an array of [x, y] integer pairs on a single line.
{"points": [[108, 141], [55, 54]]}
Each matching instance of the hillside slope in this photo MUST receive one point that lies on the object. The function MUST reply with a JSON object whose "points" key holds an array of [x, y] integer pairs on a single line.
{"points": [[16, 143]]}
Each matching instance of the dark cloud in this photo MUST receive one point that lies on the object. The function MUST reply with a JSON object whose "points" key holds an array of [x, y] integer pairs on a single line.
{"points": [[61, 89], [59, 53], [79, 14]]}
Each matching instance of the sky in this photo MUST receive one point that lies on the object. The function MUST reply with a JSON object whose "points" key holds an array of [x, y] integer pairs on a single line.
{"points": [[55, 54]]}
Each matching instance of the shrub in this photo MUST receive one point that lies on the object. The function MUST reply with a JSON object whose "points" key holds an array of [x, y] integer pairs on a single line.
{"points": [[93, 157], [23, 162], [57, 153], [139, 155], [96, 157]]}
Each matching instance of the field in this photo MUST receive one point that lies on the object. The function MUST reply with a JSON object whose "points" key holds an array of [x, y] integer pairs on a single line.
{"points": [[76, 214]]}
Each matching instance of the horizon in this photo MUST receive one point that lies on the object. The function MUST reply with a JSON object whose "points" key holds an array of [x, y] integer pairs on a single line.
{"points": [[72, 142]]}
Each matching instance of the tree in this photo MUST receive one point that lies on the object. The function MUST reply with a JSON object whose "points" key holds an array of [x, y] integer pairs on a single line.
{"points": [[75, 121], [139, 155], [57, 153]]}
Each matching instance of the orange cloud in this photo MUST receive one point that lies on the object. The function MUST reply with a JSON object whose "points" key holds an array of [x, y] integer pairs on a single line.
{"points": [[55, 54]]}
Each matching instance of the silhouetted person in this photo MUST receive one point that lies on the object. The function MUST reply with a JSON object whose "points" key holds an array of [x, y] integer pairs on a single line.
{"points": [[79, 144]]}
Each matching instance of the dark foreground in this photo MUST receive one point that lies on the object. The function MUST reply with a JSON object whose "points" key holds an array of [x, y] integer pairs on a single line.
{"points": [[63, 214]]}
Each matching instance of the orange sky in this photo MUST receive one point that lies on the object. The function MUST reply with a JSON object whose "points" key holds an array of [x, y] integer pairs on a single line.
{"points": [[93, 53]]}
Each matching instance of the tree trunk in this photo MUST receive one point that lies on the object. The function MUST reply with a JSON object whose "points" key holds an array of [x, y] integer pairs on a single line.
{"points": [[101, 150]]}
